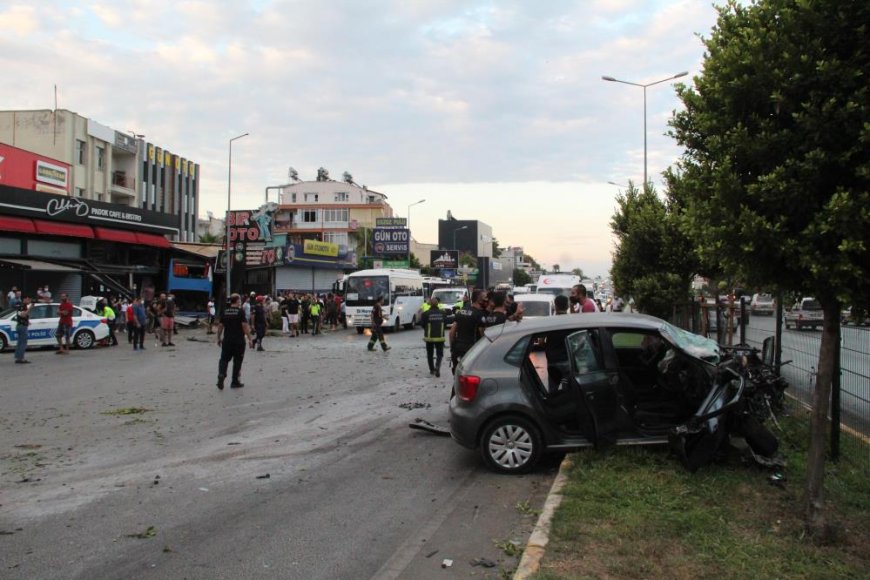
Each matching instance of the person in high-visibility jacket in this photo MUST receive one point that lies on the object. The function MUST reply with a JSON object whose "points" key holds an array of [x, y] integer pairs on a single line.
{"points": [[314, 314], [434, 322], [106, 312]]}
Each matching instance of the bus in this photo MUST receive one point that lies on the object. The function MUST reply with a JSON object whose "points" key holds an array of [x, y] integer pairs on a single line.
{"points": [[190, 282], [402, 291]]}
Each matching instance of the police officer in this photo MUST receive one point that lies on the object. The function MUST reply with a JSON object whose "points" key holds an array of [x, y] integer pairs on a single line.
{"points": [[434, 321], [468, 326], [377, 323], [231, 333]]}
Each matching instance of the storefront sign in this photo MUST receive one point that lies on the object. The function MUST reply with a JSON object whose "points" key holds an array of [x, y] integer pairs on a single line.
{"points": [[251, 225], [27, 170], [301, 255], [394, 222], [35, 204], [315, 248], [391, 242], [444, 259], [399, 264]]}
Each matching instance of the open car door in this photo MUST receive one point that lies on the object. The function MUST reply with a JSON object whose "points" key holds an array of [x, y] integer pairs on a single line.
{"points": [[594, 385]]}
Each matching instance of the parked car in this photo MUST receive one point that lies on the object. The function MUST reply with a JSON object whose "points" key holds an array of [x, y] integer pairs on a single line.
{"points": [[536, 305], [566, 382], [763, 304], [88, 328], [805, 314]]}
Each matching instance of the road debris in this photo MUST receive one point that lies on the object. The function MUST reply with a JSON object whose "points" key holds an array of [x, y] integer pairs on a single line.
{"points": [[150, 532], [485, 562], [432, 553], [424, 425], [446, 563], [264, 476], [415, 405]]}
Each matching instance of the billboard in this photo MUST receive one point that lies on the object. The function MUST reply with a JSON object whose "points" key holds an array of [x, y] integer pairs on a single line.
{"points": [[26, 170], [448, 259], [391, 242]]}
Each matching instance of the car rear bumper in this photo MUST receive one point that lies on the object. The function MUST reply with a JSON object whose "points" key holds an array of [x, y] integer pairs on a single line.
{"points": [[464, 423]]}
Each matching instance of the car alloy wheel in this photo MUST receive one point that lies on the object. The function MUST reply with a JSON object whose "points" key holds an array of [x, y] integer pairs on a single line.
{"points": [[85, 339], [510, 444]]}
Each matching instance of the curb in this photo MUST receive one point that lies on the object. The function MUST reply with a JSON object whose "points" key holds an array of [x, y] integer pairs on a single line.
{"points": [[535, 548]]}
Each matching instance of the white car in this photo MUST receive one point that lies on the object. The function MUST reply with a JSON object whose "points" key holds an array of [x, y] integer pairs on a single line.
{"points": [[536, 305], [88, 328]]}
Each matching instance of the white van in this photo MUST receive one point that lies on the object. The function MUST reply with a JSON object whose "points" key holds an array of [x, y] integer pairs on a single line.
{"points": [[556, 284]]}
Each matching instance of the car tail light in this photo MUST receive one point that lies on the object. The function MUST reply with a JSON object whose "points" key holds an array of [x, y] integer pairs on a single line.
{"points": [[104, 320], [468, 385]]}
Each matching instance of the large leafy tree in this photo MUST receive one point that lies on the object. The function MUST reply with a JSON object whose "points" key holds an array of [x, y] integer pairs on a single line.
{"points": [[776, 166], [654, 261]]}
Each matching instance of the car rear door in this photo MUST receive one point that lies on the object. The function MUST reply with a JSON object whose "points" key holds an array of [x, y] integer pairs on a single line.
{"points": [[595, 387]]}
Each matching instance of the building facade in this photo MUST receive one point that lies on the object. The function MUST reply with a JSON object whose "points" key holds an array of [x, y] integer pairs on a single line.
{"points": [[104, 165]]}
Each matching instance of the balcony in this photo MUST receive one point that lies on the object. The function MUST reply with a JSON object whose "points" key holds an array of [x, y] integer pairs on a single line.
{"points": [[123, 185]]}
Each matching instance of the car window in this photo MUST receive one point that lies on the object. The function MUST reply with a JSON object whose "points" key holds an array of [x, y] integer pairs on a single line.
{"points": [[531, 308], [514, 356], [41, 311], [77, 312], [811, 304], [584, 351]]}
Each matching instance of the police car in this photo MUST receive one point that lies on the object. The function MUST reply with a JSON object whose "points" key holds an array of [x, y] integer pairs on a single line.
{"points": [[88, 328]]}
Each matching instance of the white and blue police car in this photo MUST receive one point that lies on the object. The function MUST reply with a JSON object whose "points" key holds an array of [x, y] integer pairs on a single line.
{"points": [[88, 328]]}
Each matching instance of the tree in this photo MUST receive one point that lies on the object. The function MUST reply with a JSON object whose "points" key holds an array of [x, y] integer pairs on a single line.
{"points": [[578, 272], [532, 262], [654, 262], [496, 251], [775, 174], [322, 174], [468, 260], [521, 278], [362, 241], [209, 238], [414, 262]]}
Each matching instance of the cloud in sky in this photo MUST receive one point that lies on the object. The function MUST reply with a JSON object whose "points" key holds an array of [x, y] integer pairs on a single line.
{"points": [[487, 96]]}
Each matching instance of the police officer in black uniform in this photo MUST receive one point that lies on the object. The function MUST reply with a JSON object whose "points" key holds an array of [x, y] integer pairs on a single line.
{"points": [[468, 325], [232, 331]]}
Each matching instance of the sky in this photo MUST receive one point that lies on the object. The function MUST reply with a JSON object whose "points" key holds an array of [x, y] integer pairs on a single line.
{"points": [[494, 110]]}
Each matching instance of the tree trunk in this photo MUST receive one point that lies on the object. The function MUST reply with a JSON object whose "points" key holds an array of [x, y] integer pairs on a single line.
{"points": [[816, 522]]}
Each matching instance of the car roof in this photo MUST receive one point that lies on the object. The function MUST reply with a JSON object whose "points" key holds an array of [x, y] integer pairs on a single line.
{"points": [[587, 320], [534, 298]]}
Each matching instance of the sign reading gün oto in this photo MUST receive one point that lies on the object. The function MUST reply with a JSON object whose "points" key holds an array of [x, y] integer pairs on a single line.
{"points": [[391, 242]]}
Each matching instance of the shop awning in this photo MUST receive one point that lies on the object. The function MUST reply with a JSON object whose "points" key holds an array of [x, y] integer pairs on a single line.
{"points": [[38, 265], [63, 229], [112, 235], [16, 224], [152, 240]]}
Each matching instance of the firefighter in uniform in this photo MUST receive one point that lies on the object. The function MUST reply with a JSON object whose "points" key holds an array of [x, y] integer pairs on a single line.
{"points": [[434, 321]]}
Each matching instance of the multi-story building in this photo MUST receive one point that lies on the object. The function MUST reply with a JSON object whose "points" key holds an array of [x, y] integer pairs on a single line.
{"points": [[108, 166], [88, 209], [329, 211]]}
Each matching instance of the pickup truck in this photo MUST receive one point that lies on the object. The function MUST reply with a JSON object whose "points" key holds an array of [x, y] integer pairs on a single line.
{"points": [[805, 314]]}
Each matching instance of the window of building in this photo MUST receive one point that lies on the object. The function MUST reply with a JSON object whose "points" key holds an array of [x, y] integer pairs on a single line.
{"points": [[292, 198], [342, 196], [80, 152], [101, 158], [335, 215], [339, 238], [309, 216], [98, 196], [311, 197], [80, 192]]}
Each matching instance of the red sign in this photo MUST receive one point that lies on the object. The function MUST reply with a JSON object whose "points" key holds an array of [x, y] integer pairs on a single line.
{"points": [[27, 170]]}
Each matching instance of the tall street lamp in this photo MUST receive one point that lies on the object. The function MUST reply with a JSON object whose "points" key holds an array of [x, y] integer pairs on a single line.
{"points": [[644, 86], [229, 255], [454, 235], [409, 211]]}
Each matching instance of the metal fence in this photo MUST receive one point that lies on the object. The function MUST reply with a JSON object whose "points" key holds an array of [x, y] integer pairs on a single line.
{"points": [[797, 355]]}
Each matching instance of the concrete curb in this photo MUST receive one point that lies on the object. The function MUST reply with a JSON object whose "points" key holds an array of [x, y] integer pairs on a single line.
{"points": [[535, 548]]}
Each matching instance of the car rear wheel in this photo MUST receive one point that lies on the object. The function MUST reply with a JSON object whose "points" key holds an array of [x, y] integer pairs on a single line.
{"points": [[3, 343], [510, 445], [85, 339], [413, 323]]}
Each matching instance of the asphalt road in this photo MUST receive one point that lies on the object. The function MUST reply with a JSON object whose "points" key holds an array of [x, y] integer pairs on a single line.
{"points": [[309, 471]]}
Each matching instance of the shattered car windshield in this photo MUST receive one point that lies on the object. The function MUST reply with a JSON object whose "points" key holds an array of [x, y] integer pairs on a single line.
{"points": [[698, 346]]}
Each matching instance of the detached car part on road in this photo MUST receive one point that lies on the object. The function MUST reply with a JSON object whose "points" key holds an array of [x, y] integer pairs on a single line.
{"points": [[88, 328], [568, 382]]}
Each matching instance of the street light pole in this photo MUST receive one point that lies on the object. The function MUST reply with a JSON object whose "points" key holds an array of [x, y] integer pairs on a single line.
{"points": [[229, 255], [409, 211], [644, 86]]}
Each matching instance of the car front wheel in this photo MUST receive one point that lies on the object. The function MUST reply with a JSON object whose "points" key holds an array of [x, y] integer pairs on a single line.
{"points": [[510, 445], [3, 343], [85, 339]]}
